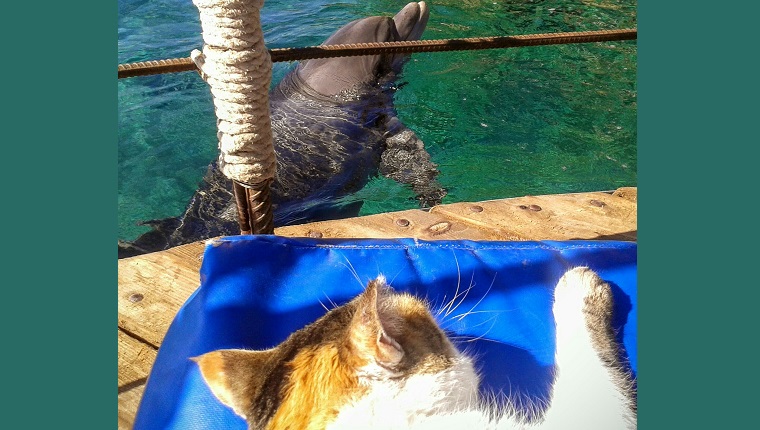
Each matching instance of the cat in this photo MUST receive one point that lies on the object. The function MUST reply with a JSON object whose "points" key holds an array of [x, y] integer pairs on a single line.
{"points": [[382, 362]]}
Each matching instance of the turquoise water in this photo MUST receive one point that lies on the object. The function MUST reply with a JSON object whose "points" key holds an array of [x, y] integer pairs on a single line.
{"points": [[499, 123]]}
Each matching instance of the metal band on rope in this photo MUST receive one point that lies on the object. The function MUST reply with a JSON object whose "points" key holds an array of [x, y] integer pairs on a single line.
{"points": [[404, 47], [254, 204]]}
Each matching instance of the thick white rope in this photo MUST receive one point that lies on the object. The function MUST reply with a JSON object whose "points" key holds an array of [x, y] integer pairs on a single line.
{"points": [[236, 65]]}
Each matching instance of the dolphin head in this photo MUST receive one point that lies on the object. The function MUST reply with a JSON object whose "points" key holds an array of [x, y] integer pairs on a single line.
{"points": [[332, 76]]}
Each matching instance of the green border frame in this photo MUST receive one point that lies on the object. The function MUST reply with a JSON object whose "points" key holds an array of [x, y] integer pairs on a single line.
{"points": [[59, 177]]}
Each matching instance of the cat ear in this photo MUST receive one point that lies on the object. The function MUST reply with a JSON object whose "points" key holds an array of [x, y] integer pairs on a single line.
{"points": [[231, 375], [369, 327]]}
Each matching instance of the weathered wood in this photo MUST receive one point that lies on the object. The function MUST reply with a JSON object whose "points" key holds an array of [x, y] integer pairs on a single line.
{"points": [[135, 360], [628, 193], [597, 216], [128, 404], [152, 287], [410, 223]]}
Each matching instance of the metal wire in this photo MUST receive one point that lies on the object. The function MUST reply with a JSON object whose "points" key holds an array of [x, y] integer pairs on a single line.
{"points": [[404, 47]]}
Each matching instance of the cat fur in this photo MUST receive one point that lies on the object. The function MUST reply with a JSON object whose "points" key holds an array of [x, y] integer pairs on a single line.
{"points": [[382, 362]]}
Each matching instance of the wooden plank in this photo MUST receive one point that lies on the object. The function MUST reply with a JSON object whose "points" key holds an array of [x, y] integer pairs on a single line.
{"points": [[152, 288], [628, 193], [128, 403], [597, 216], [414, 223], [135, 361]]}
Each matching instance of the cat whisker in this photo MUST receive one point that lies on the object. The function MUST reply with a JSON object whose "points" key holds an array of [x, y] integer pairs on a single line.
{"points": [[334, 305], [456, 292], [461, 295], [459, 317], [323, 305], [335, 342], [394, 277], [470, 339], [353, 271], [483, 336], [462, 315], [481, 299], [493, 321]]}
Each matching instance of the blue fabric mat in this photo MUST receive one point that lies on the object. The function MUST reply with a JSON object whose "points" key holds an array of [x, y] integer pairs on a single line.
{"points": [[256, 290]]}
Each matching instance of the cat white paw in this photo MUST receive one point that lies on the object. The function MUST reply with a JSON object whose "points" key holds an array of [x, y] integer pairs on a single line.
{"points": [[582, 295]]}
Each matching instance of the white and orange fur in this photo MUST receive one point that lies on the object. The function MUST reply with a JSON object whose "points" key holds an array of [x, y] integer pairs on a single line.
{"points": [[382, 362]]}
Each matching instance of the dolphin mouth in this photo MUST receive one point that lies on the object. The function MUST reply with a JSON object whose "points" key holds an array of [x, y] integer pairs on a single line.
{"points": [[411, 20], [333, 76]]}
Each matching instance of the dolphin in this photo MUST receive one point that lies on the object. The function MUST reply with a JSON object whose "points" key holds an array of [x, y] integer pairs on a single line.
{"points": [[334, 128]]}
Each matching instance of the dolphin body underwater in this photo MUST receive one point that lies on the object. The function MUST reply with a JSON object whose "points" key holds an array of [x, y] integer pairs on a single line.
{"points": [[334, 128]]}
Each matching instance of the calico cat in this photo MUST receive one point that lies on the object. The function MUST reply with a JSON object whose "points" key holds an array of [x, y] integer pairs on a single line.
{"points": [[382, 362]]}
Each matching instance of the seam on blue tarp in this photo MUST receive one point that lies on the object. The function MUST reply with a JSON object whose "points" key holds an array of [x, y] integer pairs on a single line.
{"points": [[398, 243]]}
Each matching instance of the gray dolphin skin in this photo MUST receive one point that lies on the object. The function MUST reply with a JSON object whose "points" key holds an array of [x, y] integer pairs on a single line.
{"points": [[334, 128]]}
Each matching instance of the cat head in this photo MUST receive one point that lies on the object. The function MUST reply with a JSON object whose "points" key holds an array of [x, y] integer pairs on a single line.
{"points": [[383, 350]]}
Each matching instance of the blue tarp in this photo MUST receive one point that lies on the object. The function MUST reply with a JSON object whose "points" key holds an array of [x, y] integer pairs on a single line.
{"points": [[256, 290]]}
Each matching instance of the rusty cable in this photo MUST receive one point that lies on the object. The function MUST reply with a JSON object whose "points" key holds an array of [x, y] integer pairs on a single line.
{"points": [[174, 65]]}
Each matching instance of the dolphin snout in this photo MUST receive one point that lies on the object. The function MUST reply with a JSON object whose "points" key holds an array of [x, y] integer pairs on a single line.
{"points": [[411, 20]]}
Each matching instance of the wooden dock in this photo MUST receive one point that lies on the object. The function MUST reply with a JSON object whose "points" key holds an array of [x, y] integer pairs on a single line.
{"points": [[152, 287]]}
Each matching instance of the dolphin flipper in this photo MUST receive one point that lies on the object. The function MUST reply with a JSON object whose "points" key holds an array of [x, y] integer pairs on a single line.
{"points": [[406, 161]]}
